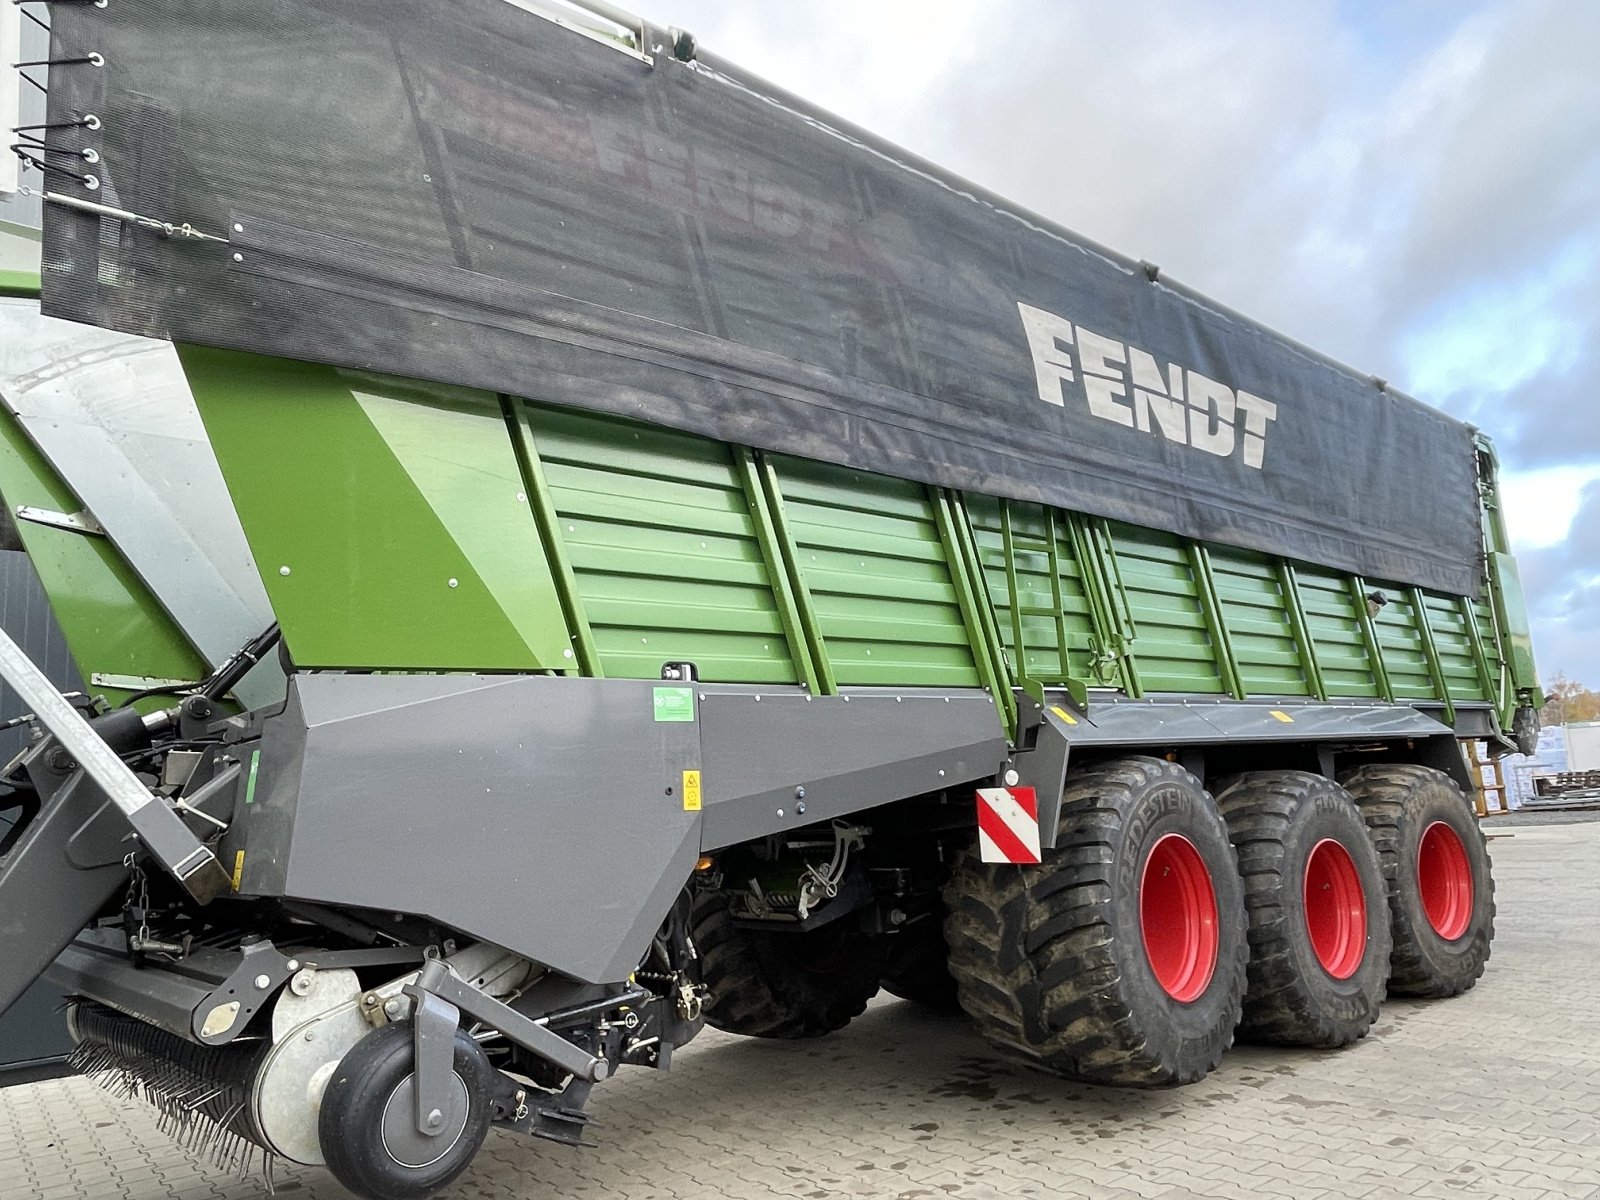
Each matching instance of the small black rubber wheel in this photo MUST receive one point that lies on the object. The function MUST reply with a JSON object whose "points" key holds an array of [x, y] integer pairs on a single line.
{"points": [[1120, 959], [366, 1126], [783, 984], [917, 964], [1318, 911], [1436, 866]]}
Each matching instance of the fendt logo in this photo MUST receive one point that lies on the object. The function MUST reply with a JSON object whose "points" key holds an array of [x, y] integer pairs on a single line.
{"points": [[1183, 406]]}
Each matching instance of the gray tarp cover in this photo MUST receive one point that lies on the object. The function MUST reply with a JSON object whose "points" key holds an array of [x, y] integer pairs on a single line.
{"points": [[461, 191]]}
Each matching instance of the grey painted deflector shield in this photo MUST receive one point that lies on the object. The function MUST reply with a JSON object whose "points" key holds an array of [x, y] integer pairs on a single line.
{"points": [[547, 814], [847, 753], [543, 814], [1163, 722], [114, 416]]}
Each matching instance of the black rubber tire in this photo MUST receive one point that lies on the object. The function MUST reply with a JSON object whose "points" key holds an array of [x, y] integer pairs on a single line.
{"points": [[1399, 802], [1050, 960], [350, 1125], [1275, 820], [917, 964], [784, 985]]}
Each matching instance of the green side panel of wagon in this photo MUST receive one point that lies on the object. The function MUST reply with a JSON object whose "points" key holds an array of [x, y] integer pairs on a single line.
{"points": [[664, 540], [871, 554], [404, 526], [1176, 647], [1043, 607], [1460, 657], [1400, 642], [1269, 656], [389, 520]]}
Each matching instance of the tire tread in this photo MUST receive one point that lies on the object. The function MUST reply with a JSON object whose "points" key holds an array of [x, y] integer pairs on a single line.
{"points": [[1031, 947], [1387, 794], [750, 997], [1282, 1005]]}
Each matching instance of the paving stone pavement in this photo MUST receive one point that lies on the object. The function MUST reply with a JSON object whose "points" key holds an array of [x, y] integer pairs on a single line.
{"points": [[1490, 1095]]}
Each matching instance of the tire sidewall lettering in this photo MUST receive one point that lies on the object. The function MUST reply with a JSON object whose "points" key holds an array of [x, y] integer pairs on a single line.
{"points": [[1171, 806]]}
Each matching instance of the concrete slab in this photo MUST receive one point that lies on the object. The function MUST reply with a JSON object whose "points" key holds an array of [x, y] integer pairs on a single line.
{"points": [[1490, 1095]]}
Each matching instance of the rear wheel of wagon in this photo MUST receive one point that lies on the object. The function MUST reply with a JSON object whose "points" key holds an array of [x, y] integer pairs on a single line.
{"points": [[1120, 959], [917, 963], [1319, 916], [783, 984], [1436, 867]]}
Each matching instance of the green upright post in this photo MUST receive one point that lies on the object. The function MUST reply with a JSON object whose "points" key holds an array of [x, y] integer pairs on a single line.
{"points": [[779, 568], [1369, 634], [1430, 651], [1211, 609], [991, 668], [1301, 627], [815, 645], [544, 515]]}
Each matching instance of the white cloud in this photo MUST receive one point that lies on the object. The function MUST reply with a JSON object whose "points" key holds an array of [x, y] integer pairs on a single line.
{"points": [[1540, 505]]}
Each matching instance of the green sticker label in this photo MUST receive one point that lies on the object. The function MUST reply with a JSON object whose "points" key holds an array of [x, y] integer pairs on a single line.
{"points": [[674, 704], [250, 781]]}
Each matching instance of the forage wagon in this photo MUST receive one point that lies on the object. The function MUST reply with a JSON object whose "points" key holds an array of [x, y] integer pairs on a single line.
{"points": [[568, 543]]}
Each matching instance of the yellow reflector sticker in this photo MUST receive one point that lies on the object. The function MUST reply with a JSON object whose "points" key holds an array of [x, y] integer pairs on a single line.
{"points": [[238, 869], [1063, 714], [1281, 716], [691, 791]]}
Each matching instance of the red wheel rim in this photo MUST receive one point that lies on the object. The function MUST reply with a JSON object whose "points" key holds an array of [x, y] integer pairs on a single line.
{"points": [[1336, 909], [1444, 880], [1178, 918]]}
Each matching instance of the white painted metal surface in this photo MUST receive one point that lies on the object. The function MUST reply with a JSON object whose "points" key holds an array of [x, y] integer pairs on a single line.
{"points": [[593, 18]]}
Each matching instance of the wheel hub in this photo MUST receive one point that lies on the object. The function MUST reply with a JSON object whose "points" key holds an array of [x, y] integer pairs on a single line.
{"points": [[1444, 881], [1178, 918], [1336, 909], [404, 1142]]}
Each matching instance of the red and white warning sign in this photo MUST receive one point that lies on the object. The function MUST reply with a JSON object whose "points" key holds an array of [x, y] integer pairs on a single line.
{"points": [[1008, 825]]}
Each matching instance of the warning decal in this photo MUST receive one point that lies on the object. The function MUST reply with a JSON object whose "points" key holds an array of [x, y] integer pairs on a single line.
{"points": [[1008, 825]]}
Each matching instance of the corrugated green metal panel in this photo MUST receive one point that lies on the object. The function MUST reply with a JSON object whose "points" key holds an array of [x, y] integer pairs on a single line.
{"points": [[1040, 620], [111, 622], [869, 553], [1257, 619], [966, 576], [1456, 658], [1403, 655], [388, 519], [1172, 646], [656, 546], [657, 527], [1336, 631]]}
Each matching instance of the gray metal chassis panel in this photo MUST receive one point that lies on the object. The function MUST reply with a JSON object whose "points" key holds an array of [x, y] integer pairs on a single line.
{"points": [[547, 814], [1190, 720]]}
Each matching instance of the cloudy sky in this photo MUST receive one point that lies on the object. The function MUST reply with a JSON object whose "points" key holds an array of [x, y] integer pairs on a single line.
{"points": [[1412, 186]]}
